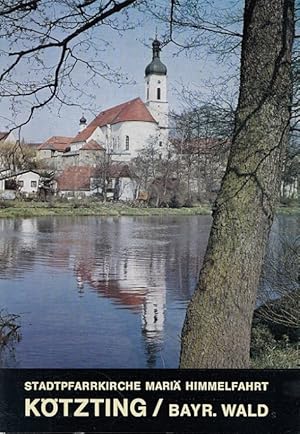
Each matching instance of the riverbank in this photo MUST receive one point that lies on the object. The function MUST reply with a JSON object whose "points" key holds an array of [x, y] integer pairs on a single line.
{"points": [[20, 209], [23, 209]]}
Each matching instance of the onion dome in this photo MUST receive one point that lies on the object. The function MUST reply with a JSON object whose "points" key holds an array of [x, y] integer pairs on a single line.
{"points": [[156, 66], [82, 120]]}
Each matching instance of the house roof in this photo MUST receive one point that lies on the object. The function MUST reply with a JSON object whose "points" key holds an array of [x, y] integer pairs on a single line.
{"points": [[113, 289], [92, 145], [75, 178], [78, 178], [10, 174], [133, 110], [56, 143]]}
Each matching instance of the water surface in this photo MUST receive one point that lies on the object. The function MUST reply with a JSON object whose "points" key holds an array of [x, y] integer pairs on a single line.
{"points": [[99, 292], [96, 292]]}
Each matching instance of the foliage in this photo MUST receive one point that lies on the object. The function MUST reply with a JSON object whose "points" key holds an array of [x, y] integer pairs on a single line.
{"points": [[279, 293], [216, 331], [16, 157], [9, 328], [48, 46], [88, 206], [270, 353]]}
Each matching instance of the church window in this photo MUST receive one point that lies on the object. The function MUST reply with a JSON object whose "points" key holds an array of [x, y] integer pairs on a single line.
{"points": [[127, 143], [147, 92], [160, 143], [158, 93]]}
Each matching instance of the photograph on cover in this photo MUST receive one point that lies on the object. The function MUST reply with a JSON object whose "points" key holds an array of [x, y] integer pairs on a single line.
{"points": [[132, 134]]}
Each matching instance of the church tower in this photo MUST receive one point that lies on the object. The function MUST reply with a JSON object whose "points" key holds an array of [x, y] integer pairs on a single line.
{"points": [[156, 90]]}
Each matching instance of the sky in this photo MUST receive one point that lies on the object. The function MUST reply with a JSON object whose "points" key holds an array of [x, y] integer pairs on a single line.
{"points": [[131, 52]]}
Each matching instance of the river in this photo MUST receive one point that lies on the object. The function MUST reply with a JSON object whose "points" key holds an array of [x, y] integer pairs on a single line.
{"points": [[102, 292]]}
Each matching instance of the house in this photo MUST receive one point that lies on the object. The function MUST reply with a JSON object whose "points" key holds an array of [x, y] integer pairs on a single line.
{"points": [[56, 152], [54, 147], [83, 181], [26, 182]]}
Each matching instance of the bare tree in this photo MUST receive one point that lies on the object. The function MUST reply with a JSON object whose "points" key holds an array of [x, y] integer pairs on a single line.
{"points": [[49, 44], [201, 140], [16, 157]]}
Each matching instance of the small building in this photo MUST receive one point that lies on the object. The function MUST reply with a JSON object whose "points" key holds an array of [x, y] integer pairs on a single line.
{"points": [[54, 146], [58, 153], [84, 181], [26, 183]]}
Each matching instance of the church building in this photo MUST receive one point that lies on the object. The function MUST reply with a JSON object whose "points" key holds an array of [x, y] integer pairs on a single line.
{"points": [[114, 137], [128, 127]]}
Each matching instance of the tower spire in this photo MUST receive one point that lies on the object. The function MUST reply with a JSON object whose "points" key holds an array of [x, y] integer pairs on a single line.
{"points": [[156, 66]]}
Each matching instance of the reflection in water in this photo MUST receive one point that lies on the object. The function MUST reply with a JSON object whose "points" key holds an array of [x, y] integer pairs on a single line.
{"points": [[101, 292]]}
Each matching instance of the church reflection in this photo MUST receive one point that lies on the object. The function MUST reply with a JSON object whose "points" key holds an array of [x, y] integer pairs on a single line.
{"points": [[139, 265], [147, 299]]}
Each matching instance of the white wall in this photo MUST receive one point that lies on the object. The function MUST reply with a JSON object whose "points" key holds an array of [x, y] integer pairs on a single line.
{"points": [[139, 134], [127, 189], [27, 178], [99, 135], [76, 146], [159, 108], [44, 153]]}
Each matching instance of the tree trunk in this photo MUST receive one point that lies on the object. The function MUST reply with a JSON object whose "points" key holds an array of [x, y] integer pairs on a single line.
{"points": [[217, 328]]}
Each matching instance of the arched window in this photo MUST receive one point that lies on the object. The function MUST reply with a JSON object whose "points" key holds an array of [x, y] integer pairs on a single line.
{"points": [[147, 93], [127, 143], [158, 93]]}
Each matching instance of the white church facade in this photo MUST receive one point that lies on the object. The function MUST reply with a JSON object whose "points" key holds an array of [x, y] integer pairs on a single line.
{"points": [[125, 129], [116, 134]]}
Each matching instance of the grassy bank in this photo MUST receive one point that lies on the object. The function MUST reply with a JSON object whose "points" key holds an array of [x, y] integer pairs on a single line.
{"points": [[289, 210], [20, 209], [23, 209]]}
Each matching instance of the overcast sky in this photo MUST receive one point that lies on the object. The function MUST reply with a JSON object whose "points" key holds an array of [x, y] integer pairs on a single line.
{"points": [[128, 52]]}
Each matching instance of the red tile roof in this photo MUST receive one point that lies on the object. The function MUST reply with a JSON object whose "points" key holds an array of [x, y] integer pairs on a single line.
{"points": [[133, 110], [75, 178], [113, 289], [92, 145], [78, 178], [57, 143]]}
